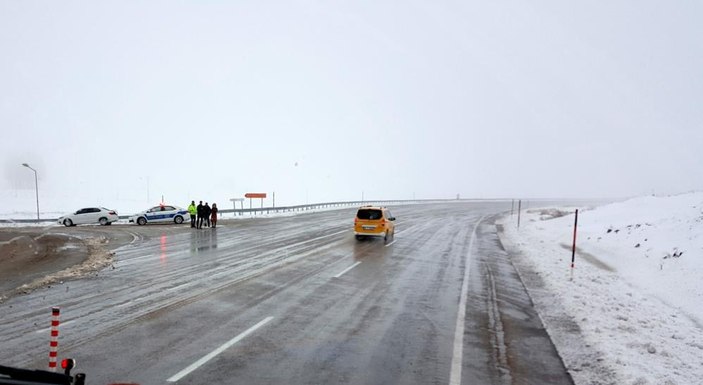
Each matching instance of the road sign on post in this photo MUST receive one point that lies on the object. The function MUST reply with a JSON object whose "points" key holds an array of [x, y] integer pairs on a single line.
{"points": [[256, 195]]}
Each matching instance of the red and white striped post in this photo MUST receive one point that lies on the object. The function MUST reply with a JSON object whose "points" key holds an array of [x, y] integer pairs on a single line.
{"points": [[54, 344]]}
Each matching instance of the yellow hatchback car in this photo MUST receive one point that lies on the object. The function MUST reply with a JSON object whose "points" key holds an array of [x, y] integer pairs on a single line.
{"points": [[373, 221]]}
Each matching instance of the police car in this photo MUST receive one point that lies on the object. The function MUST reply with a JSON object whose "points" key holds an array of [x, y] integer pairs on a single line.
{"points": [[160, 214]]}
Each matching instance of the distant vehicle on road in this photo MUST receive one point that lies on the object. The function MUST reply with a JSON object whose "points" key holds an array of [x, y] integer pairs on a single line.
{"points": [[90, 215], [160, 214], [373, 221]]}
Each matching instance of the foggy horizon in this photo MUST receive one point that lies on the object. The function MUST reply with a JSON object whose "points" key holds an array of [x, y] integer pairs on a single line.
{"points": [[117, 104]]}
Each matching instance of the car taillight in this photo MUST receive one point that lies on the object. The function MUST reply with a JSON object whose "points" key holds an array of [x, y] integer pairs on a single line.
{"points": [[356, 220], [113, 213]]}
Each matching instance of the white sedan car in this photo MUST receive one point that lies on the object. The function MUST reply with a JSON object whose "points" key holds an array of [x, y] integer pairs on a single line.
{"points": [[161, 213], [90, 215]]}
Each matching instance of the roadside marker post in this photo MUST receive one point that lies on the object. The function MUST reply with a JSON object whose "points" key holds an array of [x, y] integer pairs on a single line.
{"points": [[519, 209], [54, 342], [573, 246]]}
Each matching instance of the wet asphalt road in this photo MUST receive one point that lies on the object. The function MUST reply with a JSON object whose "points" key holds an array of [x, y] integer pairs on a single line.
{"points": [[297, 300]]}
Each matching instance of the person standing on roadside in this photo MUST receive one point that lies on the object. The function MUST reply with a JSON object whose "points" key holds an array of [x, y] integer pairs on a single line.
{"points": [[200, 211], [213, 215], [193, 213], [206, 212]]}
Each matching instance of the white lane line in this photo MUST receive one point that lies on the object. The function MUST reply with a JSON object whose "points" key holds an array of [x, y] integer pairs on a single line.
{"points": [[457, 357], [135, 237], [49, 328], [217, 351], [347, 269], [390, 243]]}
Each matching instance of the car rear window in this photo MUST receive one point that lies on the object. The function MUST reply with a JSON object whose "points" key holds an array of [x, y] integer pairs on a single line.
{"points": [[369, 214]]}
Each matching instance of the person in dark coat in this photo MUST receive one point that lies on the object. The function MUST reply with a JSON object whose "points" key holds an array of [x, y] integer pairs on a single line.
{"points": [[206, 212], [201, 213], [213, 215]]}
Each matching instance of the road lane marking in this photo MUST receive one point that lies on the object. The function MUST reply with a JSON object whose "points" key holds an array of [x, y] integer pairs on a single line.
{"points": [[390, 243], [347, 269], [135, 237], [457, 356], [217, 351]]}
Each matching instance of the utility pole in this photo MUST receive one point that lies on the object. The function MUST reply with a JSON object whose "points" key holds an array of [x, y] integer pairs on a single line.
{"points": [[36, 186]]}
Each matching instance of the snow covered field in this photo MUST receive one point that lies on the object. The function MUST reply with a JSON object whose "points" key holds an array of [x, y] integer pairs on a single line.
{"points": [[631, 311]]}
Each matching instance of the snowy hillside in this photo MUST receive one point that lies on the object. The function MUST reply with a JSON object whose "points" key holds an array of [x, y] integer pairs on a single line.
{"points": [[636, 293]]}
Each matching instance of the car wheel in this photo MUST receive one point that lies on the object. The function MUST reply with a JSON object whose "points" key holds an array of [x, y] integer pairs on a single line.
{"points": [[102, 221], [108, 223], [385, 237], [141, 221], [178, 220], [67, 222]]}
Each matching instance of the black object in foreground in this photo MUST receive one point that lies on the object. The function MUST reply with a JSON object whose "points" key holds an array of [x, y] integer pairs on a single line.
{"points": [[15, 376]]}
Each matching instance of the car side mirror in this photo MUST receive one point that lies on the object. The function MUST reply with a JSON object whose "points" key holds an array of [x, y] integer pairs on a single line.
{"points": [[391, 218]]}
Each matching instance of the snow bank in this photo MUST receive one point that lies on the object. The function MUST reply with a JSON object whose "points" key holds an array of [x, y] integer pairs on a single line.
{"points": [[635, 296]]}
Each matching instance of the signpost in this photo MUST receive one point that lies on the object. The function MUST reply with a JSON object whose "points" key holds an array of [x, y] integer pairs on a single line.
{"points": [[255, 195], [234, 204]]}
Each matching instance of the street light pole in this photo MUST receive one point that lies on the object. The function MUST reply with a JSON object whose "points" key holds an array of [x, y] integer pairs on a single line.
{"points": [[36, 186]]}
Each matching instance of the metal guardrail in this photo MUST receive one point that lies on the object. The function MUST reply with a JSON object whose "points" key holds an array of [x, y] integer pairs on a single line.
{"points": [[314, 206], [297, 208]]}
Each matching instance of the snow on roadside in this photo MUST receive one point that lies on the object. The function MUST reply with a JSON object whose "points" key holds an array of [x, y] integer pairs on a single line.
{"points": [[632, 305]]}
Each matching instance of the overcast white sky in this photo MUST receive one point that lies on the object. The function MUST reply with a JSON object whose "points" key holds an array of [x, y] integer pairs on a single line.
{"points": [[321, 100]]}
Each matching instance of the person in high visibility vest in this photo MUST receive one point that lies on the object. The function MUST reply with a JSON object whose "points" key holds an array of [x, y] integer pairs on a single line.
{"points": [[193, 211]]}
